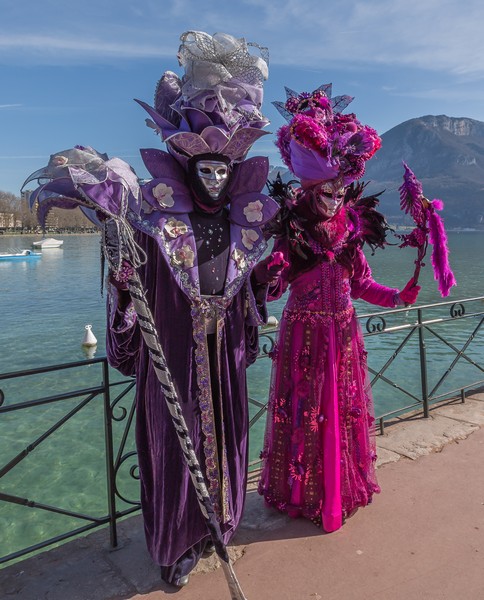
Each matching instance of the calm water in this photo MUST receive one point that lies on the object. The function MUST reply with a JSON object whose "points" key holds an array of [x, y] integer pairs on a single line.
{"points": [[44, 306], [45, 303]]}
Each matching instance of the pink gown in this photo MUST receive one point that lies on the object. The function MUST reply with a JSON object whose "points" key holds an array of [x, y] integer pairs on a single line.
{"points": [[319, 450]]}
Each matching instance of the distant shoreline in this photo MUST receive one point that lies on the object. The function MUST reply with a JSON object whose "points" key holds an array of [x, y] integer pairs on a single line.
{"points": [[395, 228], [50, 234]]}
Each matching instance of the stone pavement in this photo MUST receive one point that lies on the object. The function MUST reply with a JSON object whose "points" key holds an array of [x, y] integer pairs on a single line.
{"points": [[422, 538]]}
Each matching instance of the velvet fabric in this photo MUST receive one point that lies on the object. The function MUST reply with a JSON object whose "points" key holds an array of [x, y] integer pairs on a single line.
{"points": [[172, 517], [208, 340], [319, 450], [208, 343]]}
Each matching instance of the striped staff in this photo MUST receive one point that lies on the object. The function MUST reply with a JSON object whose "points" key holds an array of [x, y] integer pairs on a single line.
{"points": [[118, 246]]}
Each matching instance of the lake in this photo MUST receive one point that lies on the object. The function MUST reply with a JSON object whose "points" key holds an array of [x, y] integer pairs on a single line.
{"points": [[45, 304]]}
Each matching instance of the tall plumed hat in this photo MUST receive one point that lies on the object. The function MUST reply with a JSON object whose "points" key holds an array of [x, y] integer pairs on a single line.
{"points": [[319, 143], [215, 108]]}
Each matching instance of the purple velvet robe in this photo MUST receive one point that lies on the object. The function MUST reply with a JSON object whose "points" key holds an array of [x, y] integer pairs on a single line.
{"points": [[210, 377]]}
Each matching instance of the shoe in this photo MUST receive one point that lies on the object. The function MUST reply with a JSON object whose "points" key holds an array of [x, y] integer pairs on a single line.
{"points": [[209, 550], [179, 583], [182, 581]]}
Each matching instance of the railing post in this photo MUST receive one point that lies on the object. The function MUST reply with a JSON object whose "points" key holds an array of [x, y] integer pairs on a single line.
{"points": [[423, 365], [108, 439]]}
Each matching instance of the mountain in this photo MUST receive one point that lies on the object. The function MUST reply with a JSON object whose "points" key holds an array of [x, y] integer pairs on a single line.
{"points": [[447, 156]]}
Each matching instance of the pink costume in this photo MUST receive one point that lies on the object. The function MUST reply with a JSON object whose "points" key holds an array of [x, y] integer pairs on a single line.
{"points": [[319, 451]]}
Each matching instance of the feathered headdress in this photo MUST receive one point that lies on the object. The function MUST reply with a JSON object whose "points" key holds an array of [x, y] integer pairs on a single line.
{"points": [[320, 143]]}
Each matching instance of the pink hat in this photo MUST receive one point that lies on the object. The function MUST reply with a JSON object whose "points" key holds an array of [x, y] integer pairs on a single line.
{"points": [[320, 143]]}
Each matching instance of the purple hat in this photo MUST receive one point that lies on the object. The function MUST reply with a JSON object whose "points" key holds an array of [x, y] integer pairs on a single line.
{"points": [[215, 107]]}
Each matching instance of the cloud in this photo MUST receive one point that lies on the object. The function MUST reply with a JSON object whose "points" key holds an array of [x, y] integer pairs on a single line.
{"points": [[95, 47], [22, 157], [438, 93], [10, 105], [435, 35]]}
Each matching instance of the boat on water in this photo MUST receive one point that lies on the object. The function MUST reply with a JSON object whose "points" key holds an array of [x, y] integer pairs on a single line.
{"points": [[19, 255], [48, 243]]}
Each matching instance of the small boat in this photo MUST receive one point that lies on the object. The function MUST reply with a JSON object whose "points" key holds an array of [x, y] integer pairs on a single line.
{"points": [[48, 243], [20, 254]]}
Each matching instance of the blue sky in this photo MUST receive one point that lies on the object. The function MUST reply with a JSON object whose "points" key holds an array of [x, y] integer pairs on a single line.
{"points": [[69, 71]]}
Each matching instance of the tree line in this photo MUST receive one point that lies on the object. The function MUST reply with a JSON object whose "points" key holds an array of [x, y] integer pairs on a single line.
{"points": [[16, 216]]}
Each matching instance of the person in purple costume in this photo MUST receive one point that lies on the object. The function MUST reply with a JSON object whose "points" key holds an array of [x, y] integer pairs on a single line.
{"points": [[200, 229], [319, 450], [192, 239]]}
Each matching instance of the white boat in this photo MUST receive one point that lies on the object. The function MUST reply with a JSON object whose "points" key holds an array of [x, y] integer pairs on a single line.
{"points": [[19, 254], [48, 243]]}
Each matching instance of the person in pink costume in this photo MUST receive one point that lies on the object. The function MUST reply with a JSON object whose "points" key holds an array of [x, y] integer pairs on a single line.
{"points": [[319, 449]]}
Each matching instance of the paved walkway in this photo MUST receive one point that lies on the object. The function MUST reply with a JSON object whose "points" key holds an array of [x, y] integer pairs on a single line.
{"points": [[422, 538]]}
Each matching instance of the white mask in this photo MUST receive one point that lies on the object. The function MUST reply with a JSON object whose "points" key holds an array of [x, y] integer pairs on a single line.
{"points": [[331, 198], [213, 175]]}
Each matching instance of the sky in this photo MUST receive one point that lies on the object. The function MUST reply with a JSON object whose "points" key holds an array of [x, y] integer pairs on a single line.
{"points": [[69, 71]]}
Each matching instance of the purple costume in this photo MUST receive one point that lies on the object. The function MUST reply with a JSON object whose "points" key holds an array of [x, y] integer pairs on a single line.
{"points": [[187, 240], [207, 365], [200, 228]]}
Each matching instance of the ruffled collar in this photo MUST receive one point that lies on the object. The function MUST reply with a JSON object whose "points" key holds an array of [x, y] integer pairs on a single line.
{"points": [[168, 191], [329, 236], [165, 215]]}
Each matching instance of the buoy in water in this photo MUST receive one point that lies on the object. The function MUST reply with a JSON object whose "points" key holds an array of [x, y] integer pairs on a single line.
{"points": [[89, 337]]}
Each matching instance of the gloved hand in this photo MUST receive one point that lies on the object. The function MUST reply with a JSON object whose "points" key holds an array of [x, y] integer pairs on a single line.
{"points": [[121, 278], [409, 293], [270, 268]]}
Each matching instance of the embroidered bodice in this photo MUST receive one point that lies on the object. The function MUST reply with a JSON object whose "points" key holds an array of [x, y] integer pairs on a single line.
{"points": [[212, 237], [325, 288]]}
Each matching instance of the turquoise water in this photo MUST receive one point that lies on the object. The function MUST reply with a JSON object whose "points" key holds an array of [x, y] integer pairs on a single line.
{"points": [[45, 303], [44, 306]]}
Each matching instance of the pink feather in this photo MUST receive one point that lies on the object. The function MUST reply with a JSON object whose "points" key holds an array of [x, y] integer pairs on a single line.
{"points": [[411, 195], [440, 254]]}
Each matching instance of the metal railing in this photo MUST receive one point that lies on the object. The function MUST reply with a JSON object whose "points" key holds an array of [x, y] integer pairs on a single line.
{"points": [[417, 326], [408, 332], [81, 398]]}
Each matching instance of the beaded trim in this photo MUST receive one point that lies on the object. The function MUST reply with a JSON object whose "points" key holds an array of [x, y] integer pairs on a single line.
{"points": [[225, 465], [204, 309], [318, 316]]}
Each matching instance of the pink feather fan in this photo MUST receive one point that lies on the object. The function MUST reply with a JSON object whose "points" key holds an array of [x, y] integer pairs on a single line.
{"points": [[429, 228]]}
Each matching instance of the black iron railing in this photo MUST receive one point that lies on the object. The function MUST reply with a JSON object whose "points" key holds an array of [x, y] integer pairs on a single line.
{"points": [[411, 329], [439, 340], [70, 403]]}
